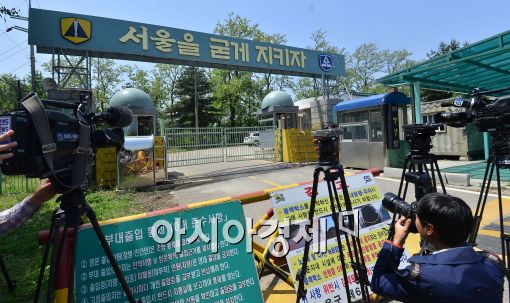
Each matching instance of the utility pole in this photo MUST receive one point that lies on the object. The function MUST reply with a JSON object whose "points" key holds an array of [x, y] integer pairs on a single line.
{"points": [[196, 96], [32, 56]]}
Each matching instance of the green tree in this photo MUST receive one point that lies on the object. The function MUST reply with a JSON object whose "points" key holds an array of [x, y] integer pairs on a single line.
{"points": [[163, 86], [311, 87], [183, 111], [444, 48], [106, 79], [10, 91], [238, 93]]}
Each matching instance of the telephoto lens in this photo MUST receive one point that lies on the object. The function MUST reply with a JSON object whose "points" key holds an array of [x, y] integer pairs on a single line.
{"points": [[396, 205]]}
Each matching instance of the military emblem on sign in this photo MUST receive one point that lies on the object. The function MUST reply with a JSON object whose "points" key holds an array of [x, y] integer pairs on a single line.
{"points": [[75, 30], [326, 62]]}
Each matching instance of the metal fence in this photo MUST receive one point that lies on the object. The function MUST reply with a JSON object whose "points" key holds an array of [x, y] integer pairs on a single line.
{"points": [[191, 146], [17, 184]]}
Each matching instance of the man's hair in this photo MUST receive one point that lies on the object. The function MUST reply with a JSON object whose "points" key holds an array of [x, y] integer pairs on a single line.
{"points": [[451, 217]]}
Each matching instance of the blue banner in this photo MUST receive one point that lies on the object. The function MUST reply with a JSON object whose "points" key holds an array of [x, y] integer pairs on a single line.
{"points": [[118, 39]]}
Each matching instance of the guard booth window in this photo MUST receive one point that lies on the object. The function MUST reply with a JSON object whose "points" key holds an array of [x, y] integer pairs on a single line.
{"points": [[376, 131], [358, 128]]}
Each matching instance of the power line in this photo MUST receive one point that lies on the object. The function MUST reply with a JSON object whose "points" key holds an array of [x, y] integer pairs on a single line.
{"points": [[19, 51], [16, 43], [25, 63], [12, 48]]}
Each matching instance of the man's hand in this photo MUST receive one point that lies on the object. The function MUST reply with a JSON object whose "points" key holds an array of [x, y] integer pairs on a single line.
{"points": [[43, 193], [5, 147], [402, 227]]}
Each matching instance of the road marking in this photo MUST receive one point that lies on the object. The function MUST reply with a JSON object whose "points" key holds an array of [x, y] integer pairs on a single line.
{"points": [[449, 188], [271, 183], [490, 233]]}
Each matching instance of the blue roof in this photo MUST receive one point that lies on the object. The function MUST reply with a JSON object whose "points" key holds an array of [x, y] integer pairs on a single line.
{"points": [[396, 98]]}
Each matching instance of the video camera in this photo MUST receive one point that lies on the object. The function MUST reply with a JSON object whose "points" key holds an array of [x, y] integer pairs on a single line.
{"points": [[71, 131], [488, 114], [419, 137], [326, 143]]}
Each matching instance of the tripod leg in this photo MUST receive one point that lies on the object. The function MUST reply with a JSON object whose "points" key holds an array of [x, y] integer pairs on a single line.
{"points": [[432, 175], [56, 255], [407, 168], [439, 176], [70, 289], [501, 226], [44, 259], [360, 271], [301, 292], [482, 199], [334, 213], [11, 285], [99, 233], [406, 162]]}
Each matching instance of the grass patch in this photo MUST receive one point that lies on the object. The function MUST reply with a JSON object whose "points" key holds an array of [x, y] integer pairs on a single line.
{"points": [[21, 252]]}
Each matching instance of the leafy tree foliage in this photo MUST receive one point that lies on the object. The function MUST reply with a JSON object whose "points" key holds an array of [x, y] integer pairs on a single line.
{"points": [[237, 93], [183, 111]]}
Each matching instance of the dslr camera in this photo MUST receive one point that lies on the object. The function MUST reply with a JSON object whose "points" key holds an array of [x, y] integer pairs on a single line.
{"points": [[54, 135], [422, 186], [326, 143]]}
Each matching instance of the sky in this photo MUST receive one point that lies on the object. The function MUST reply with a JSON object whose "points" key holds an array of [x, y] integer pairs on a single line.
{"points": [[417, 26]]}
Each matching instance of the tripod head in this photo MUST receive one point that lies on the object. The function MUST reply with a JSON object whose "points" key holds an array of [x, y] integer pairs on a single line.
{"points": [[500, 147], [419, 138]]}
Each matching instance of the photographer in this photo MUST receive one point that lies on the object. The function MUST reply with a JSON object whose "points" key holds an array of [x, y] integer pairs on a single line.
{"points": [[453, 273], [15, 216]]}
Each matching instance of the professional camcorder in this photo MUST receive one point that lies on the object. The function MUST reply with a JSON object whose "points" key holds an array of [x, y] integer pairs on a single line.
{"points": [[326, 144], [53, 136], [488, 114]]}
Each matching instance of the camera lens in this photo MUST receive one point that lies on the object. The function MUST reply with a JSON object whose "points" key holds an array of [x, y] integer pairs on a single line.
{"points": [[396, 205]]}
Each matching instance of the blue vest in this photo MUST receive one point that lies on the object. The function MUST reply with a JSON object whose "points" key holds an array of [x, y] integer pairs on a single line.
{"points": [[455, 275]]}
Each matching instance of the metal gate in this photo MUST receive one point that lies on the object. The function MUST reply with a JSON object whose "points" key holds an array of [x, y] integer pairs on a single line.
{"points": [[191, 146]]}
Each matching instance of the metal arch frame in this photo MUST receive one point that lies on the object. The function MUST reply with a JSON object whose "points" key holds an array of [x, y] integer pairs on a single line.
{"points": [[63, 69]]}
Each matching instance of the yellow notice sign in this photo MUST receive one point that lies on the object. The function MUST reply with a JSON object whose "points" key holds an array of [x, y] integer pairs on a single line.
{"points": [[75, 30]]}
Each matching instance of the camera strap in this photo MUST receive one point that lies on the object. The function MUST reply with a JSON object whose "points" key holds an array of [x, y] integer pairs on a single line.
{"points": [[36, 110]]}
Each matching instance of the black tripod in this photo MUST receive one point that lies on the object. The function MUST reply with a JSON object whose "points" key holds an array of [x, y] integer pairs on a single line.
{"points": [[419, 163], [66, 220], [331, 174], [420, 168], [499, 158]]}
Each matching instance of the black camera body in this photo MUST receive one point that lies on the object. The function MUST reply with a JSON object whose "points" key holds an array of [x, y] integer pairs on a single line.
{"points": [[67, 123], [419, 137], [28, 156], [487, 114], [326, 143]]}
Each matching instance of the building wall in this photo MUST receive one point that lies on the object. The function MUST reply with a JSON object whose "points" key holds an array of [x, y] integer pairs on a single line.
{"points": [[321, 111]]}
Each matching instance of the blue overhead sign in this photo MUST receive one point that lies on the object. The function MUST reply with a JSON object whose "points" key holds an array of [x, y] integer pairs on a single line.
{"points": [[118, 39]]}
